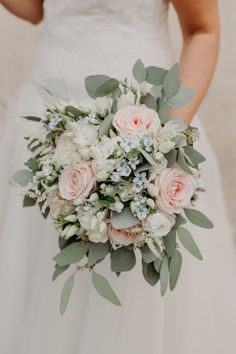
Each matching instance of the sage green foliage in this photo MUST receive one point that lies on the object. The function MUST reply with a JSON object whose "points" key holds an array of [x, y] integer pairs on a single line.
{"points": [[164, 275], [122, 260], [170, 242], [104, 288], [66, 292], [58, 271], [150, 274], [198, 218], [97, 251], [175, 267], [147, 255], [72, 254], [188, 242]]}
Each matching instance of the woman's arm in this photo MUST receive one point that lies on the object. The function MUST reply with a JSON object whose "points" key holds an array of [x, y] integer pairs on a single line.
{"points": [[199, 21], [30, 10]]}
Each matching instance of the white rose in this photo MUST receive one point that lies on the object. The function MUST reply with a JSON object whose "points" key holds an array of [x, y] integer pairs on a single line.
{"points": [[65, 153], [82, 134], [159, 223], [126, 99], [166, 146], [96, 236]]}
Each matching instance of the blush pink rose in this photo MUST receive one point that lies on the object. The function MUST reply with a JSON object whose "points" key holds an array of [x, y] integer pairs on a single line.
{"points": [[174, 190], [77, 182], [123, 237], [136, 120]]}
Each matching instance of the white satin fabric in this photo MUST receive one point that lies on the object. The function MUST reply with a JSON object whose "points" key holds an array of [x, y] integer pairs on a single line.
{"points": [[106, 37]]}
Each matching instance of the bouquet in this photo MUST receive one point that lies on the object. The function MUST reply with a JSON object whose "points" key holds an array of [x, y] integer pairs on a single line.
{"points": [[117, 176]]}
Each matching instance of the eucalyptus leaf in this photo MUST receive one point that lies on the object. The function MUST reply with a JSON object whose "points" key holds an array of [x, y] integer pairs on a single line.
{"points": [[194, 155], [171, 157], [105, 126], [155, 91], [164, 275], [74, 110], [33, 164], [66, 292], [58, 271], [147, 255], [179, 220], [198, 218], [32, 118], [175, 268], [155, 75], [28, 201], [170, 242], [72, 254], [183, 164], [182, 97], [106, 88], [92, 83], [157, 265], [124, 219], [149, 101], [149, 158], [163, 110], [188, 242], [149, 273], [139, 71], [104, 288], [171, 82], [21, 177], [122, 260], [97, 251], [144, 167]]}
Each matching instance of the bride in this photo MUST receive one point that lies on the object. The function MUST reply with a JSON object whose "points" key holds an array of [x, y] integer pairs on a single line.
{"points": [[81, 38]]}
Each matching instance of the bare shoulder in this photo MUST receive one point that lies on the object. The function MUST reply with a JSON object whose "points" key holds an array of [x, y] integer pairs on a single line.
{"points": [[29, 10]]}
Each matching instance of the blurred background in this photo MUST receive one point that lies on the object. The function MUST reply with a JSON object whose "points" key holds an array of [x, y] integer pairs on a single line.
{"points": [[19, 39]]}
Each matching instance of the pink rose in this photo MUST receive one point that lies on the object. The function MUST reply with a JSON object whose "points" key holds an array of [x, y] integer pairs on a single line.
{"points": [[174, 190], [77, 182], [123, 237], [136, 120]]}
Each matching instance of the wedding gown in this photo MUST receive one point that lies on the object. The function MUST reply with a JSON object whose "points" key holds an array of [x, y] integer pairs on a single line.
{"points": [[81, 38]]}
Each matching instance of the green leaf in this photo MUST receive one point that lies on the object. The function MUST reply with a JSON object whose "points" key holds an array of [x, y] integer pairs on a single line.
{"points": [[66, 292], [182, 163], [122, 260], [188, 242], [171, 82], [144, 167], [149, 101], [105, 126], [32, 118], [179, 220], [72, 254], [147, 255], [170, 242], [157, 264], [149, 273], [171, 157], [97, 251], [28, 202], [139, 71], [93, 82], [104, 288], [155, 75], [21, 177], [33, 164], [182, 97], [74, 110], [198, 218], [164, 275], [194, 155], [163, 110], [175, 267], [148, 157], [58, 271], [124, 219], [107, 87], [155, 91]]}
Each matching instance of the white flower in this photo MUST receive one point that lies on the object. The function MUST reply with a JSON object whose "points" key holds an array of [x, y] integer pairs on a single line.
{"points": [[103, 105], [65, 153], [166, 146], [126, 99], [96, 236], [159, 223], [82, 134]]}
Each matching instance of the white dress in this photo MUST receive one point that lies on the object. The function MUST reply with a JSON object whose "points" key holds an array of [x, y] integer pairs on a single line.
{"points": [[106, 37]]}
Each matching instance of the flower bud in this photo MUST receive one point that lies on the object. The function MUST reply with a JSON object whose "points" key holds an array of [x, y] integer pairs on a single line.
{"points": [[71, 218]]}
